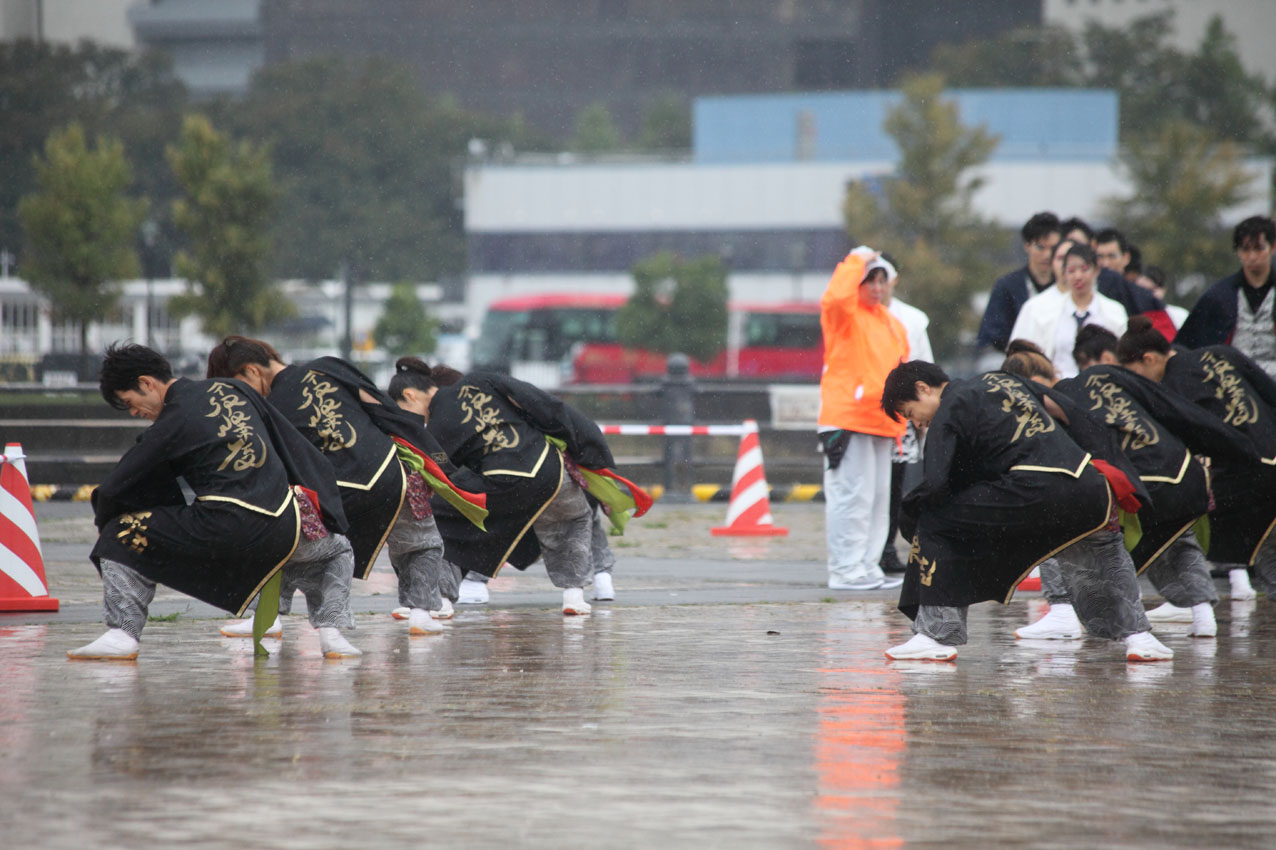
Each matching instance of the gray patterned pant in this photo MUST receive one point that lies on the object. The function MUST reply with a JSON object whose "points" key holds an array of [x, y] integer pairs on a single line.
{"points": [[1182, 575], [565, 534], [599, 549], [1264, 566], [416, 553], [1106, 594], [321, 569], [603, 560]]}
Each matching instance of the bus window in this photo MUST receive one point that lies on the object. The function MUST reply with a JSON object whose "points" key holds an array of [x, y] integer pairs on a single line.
{"points": [[494, 347], [782, 330]]}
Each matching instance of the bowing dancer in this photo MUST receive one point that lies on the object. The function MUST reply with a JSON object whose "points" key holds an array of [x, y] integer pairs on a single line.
{"points": [[1158, 434], [1236, 390], [263, 500], [537, 458], [1003, 488], [386, 465]]}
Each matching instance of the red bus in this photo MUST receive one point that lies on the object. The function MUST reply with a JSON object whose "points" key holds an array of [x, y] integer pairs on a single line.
{"points": [[570, 338]]}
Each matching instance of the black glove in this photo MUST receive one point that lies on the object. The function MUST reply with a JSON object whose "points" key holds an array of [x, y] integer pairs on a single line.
{"points": [[833, 444]]}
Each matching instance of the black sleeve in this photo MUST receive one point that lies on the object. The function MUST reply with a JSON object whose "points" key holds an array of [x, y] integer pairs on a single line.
{"points": [[143, 477], [943, 438], [553, 416], [1209, 322]]}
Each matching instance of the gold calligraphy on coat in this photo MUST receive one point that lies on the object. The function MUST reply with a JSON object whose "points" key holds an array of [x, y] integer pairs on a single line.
{"points": [[1119, 412], [132, 533], [247, 450], [326, 417], [479, 409], [926, 567], [1030, 418], [1229, 388]]}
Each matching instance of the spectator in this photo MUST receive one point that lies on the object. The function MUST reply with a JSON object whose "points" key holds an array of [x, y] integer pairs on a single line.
{"points": [[1237, 310], [1041, 234], [1112, 250], [862, 343], [1152, 278], [1052, 319], [1112, 280]]}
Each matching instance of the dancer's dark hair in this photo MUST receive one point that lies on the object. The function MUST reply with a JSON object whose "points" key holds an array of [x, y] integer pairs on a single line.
{"points": [[1092, 341], [229, 357], [1140, 337], [901, 384], [126, 363], [414, 373]]}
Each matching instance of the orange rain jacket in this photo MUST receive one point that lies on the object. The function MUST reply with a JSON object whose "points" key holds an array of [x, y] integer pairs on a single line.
{"points": [[861, 346]]}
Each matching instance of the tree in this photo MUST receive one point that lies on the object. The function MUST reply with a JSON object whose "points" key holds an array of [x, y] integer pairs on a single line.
{"points": [[677, 305], [80, 227], [1155, 80], [1027, 56], [595, 131], [405, 327], [1182, 180], [368, 167], [134, 98], [923, 213], [224, 214], [666, 124]]}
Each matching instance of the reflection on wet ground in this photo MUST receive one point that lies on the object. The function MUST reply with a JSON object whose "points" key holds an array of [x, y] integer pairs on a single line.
{"points": [[753, 725]]}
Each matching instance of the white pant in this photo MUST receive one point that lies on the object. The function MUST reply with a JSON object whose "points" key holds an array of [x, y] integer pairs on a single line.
{"points": [[857, 497]]}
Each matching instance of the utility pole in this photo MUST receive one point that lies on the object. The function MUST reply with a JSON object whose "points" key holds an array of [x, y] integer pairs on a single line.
{"points": [[347, 338]]}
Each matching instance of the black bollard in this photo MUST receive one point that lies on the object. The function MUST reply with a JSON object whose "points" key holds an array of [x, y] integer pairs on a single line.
{"points": [[677, 407]]}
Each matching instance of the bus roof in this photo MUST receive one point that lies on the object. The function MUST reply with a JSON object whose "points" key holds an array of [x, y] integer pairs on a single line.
{"points": [[592, 300]]}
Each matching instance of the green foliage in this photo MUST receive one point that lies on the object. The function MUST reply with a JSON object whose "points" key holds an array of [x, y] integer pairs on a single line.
{"points": [[1182, 180], [677, 305], [80, 227], [1028, 56], [130, 97], [1155, 80], [405, 327], [225, 214], [923, 214], [368, 167], [666, 124], [595, 132]]}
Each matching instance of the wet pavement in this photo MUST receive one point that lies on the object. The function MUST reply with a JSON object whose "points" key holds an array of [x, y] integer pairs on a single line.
{"points": [[724, 701]]}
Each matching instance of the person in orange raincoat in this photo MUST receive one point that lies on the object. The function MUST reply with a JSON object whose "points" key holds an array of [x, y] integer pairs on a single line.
{"points": [[862, 343]]}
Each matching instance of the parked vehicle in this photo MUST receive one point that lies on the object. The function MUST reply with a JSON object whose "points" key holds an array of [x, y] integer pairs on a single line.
{"points": [[557, 339]]}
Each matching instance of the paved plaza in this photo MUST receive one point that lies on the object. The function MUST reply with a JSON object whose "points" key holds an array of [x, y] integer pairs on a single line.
{"points": [[725, 700]]}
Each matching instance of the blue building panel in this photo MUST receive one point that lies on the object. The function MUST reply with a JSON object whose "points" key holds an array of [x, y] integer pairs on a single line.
{"points": [[1040, 124]]}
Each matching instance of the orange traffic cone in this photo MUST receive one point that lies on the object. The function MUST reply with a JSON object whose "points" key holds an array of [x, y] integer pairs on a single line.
{"points": [[1032, 582], [749, 514], [22, 583]]}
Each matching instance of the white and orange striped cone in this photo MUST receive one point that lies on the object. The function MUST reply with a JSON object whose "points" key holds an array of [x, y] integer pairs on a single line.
{"points": [[22, 583], [1032, 582], [749, 514]]}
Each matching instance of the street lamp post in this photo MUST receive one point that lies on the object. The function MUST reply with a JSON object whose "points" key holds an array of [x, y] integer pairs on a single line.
{"points": [[150, 230]]}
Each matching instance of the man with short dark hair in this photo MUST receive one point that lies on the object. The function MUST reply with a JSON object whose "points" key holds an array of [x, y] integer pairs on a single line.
{"points": [[1238, 310], [1003, 488], [261, 497], [1041, 234], [1112, 249]]}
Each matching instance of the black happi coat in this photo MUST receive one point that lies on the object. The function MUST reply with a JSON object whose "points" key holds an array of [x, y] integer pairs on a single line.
{"points": [[240, 457], [1003, 488], [1237, 391], [321, 398], [1159, 431], [493, 427]]}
